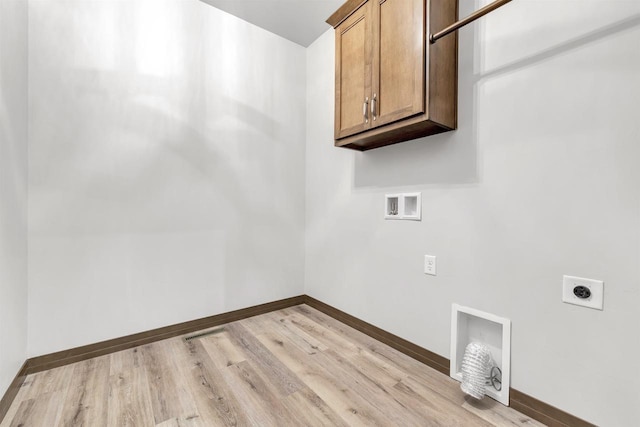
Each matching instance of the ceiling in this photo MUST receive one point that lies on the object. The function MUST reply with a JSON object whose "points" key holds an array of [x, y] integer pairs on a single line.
{"points": [[301, 21]]}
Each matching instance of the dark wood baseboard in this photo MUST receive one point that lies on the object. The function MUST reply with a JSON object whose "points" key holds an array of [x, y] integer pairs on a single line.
{"points": [[61, 358], [528, 405], [423, 355], [536, 409], [543, 412], [12, 391]]}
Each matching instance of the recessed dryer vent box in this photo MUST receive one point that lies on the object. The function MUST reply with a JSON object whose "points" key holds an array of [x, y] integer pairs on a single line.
{"points": [[471, 325]]}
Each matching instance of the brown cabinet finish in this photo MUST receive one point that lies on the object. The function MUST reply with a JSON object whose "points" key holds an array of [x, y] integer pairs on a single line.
{"points": [[392, 85], [353, 65], [398, 77]]}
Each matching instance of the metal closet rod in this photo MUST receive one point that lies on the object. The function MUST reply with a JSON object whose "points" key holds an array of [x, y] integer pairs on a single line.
{"points": [[461, 23]]}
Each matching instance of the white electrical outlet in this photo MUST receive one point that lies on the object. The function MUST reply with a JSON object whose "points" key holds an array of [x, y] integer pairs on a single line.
{"points": [[585, 292], [430, 265]]}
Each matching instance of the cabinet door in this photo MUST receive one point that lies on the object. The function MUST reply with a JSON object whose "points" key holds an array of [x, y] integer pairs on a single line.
{"points": [[353, 72], [399, 60]]}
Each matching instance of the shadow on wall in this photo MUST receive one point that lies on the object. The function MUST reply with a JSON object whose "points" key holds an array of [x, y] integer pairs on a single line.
{"points": [[150, 169], [13, 135], [447, 158], [145, 146], [452, 158], [575, 43]]}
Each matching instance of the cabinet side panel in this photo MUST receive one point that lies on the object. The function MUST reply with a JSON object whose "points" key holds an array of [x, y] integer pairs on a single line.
{"points": [[338, 68], [443, 64]]}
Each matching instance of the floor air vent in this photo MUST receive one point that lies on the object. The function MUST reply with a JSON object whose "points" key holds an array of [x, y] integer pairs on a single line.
{"points": [[204, 334]]}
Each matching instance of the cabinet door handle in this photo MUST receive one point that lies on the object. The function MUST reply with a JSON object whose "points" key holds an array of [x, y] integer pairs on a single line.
{"points": [[374, 101], [365, 110]]}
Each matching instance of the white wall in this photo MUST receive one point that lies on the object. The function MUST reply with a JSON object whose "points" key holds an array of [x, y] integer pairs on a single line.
{"points": [[13, 189], [167, 182], [166, 167], [541, 179]]}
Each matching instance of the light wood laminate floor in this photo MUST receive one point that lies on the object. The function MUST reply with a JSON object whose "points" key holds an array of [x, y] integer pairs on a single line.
{"points": [[293, 367]]}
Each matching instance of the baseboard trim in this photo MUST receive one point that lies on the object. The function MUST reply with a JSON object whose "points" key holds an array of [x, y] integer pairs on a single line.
{"points": [[12, 391], [543, 412], [423, 355], [66, 357], [536, 409], [519, 401]]}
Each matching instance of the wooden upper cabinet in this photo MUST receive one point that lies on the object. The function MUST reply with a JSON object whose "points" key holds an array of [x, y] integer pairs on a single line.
{"points": [[392, 85], [353, 66], [398, 76]]}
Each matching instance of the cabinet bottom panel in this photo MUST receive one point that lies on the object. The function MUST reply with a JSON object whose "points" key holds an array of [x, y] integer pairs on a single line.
{"points": [[392, 134]]}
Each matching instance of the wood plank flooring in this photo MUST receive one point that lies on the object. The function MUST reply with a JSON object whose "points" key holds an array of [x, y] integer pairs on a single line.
{"points": [[293, 367]]}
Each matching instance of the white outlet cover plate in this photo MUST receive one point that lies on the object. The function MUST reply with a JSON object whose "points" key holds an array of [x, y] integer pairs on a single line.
{"points": [[595, 286], [430, 265]]}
